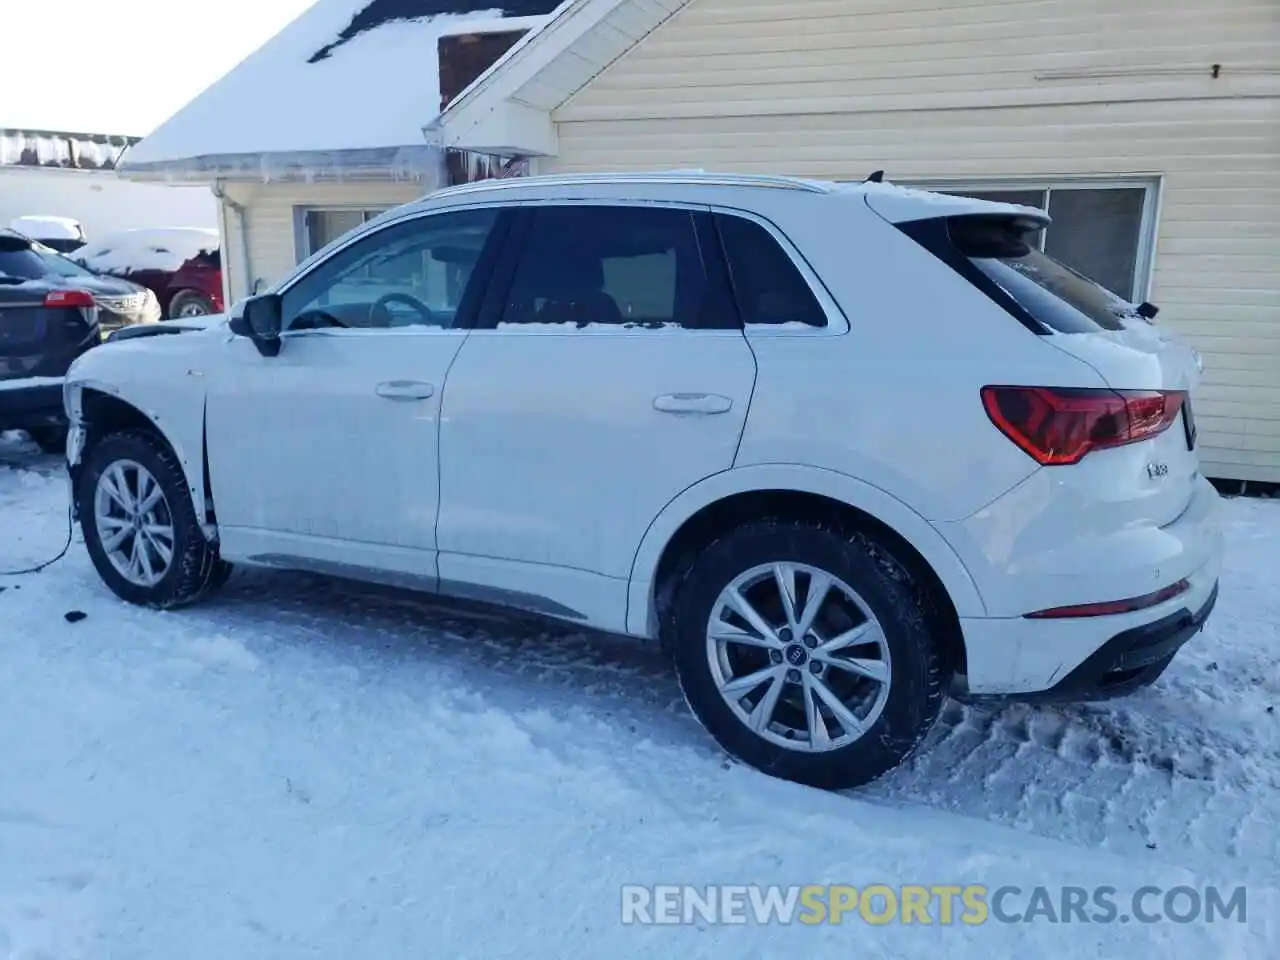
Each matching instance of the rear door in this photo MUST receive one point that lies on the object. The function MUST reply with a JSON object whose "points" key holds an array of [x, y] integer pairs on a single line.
{"points": [[608, 373]]}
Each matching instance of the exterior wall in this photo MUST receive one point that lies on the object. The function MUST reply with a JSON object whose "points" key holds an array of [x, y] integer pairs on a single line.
{"points": [[982, 91], [101, 201], [272, 212]]}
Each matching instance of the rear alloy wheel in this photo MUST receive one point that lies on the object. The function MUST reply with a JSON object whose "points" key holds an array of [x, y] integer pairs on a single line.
{"points": [[189, 303], [805, 653], [140, 526]]}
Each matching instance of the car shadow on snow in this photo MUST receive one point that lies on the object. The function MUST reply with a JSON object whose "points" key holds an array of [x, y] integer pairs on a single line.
{"points": [[1147, 773], [19, 453]]}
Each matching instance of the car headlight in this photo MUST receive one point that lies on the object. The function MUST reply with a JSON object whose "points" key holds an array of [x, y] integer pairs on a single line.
{"points": [[151, 312]]}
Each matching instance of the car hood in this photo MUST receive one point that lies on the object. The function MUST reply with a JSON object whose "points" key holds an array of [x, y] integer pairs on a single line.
{"points": [[168, 327]]}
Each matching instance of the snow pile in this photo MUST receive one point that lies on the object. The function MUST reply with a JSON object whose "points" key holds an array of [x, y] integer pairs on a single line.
{"points": [[130, 251], [306, 768], [42, 227], [375, 86]]}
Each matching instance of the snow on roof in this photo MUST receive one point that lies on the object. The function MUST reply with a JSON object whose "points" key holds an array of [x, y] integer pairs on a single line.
{"points": [[41, 227], [347, 74], [146, 249]]}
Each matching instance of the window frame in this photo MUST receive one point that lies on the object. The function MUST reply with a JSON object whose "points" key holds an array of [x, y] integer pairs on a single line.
{"points": [[468, 307], [302, 236], [1152, 186], [502, 278]]}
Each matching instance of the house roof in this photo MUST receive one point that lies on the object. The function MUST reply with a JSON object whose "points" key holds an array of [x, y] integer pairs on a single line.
{"points": [[507, 110], [347, 75]]}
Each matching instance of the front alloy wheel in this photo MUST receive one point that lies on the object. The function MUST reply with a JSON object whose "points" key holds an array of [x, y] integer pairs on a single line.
{"points": [[134, 523], [140, 525]]}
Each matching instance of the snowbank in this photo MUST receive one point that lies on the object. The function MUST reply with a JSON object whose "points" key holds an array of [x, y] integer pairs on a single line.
{"points": [[133, 250], [48, 228]]}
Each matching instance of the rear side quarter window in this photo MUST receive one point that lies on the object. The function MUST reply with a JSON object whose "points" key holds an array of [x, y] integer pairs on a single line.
{"points": [[769, 288]]}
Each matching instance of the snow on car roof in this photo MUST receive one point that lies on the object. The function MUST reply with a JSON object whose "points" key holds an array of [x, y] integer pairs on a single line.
{"points": [[165, 249], [347, 74], [44, 227]]}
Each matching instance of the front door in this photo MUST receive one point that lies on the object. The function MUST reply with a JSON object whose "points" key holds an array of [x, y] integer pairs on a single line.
{"points": [[608, 373], [324, 457]]}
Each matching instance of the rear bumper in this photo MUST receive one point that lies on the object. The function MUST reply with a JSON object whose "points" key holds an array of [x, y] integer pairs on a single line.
{"points": [[1084, 657], [1132, 659], [24, 407]]}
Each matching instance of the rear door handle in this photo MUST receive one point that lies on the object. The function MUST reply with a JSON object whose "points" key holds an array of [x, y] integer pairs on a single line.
{"points": [[697, 403], [404, 390]]}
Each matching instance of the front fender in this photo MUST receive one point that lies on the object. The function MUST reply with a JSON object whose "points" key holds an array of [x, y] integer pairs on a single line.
{"points": [[176, 414], [890, 511]]}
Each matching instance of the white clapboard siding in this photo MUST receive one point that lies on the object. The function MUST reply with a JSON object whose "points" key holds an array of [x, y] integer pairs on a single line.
{"points": [[270, 209], [972, 90]]}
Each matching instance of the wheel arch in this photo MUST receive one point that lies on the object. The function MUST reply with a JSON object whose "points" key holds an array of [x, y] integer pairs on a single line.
{"points": [[96, 410], [787, 490]]}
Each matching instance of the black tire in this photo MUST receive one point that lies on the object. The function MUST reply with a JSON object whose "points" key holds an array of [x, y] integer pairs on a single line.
{"points": [[196, 569], [192, 301], [52, 439], [915, 690]]}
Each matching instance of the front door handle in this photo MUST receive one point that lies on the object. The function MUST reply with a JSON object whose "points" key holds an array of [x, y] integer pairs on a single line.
{"points": [[696, 403], [404, 390]]}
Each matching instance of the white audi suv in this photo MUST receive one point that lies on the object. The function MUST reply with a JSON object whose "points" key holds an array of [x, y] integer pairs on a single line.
{"points": [[841, 449]]}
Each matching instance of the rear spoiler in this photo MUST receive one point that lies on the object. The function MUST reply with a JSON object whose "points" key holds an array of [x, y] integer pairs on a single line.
{"points": [[906, 204]]}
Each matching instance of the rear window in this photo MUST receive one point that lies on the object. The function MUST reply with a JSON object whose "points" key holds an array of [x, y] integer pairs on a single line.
{"points": [[1000, 255], [18, 262]]}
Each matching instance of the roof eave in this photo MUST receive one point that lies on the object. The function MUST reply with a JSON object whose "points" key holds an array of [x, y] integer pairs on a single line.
{"points": [[508, 129], [416, 162]]}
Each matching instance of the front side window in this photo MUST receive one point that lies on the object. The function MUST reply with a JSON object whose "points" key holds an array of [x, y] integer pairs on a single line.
{"points": [[768, 286], [620, 266], [411, 273]]}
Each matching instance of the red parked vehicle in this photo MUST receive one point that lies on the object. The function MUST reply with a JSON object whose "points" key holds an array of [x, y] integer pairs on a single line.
{"points": [[196, 288], [181, 265]]}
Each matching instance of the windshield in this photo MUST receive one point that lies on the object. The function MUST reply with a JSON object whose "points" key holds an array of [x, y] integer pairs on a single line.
{"points": [[1005, 250]]}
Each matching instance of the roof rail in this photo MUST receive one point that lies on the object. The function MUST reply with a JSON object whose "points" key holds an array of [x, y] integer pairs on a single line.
{"points": [[683, 177]]}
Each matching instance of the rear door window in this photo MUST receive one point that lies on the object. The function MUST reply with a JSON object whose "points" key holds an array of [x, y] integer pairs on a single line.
{"points": [[622, 266]]}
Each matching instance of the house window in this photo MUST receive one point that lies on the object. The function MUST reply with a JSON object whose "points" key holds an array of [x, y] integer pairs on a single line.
{"points": [[1104, 230], [322, 227]]}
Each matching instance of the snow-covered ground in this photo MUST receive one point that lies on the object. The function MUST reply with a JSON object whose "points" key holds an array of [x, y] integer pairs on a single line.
{"points": [[304, 768]]}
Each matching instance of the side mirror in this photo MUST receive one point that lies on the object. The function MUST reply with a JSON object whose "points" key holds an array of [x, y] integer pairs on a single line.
{"points": [[259, 319]]}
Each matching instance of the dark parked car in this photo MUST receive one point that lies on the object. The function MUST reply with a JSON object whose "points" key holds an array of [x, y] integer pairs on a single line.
{"points": [[51, 311]]}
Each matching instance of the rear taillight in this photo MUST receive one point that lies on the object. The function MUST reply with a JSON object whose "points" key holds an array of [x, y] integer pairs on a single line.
{"points": [[69, 298], [1060, 425]]}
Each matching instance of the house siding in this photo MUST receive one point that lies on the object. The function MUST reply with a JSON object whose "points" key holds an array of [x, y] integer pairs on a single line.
{"points": [[270, 212], [1034, 90]]}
